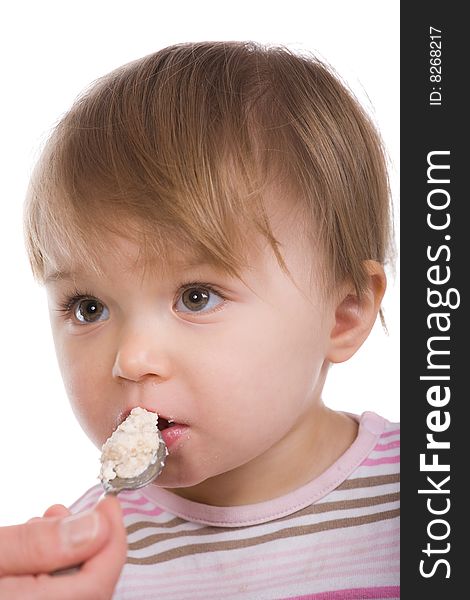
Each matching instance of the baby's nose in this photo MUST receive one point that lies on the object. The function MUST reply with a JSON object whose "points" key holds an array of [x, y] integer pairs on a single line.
{"points": [[140, 355]]}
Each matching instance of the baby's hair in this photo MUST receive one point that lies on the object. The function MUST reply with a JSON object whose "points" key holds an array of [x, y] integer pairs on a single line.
{"points": [[179, 150]]}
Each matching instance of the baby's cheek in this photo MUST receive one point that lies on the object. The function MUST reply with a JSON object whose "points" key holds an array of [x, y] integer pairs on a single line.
{"points": [[88, 402]]}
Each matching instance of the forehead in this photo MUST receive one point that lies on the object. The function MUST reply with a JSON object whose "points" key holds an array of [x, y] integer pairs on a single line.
{"points": [[103, 253], [122, 263], [121, 254]]}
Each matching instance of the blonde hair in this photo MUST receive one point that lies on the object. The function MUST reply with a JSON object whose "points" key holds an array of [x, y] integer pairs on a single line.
{"points": [[177, 149]]}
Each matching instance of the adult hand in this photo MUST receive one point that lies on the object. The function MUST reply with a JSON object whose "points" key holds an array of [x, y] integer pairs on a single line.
{"points": [[29, 553]]}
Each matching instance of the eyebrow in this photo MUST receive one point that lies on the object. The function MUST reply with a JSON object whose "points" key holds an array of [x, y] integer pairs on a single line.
{"points": [[183, 266], [58, 275]]}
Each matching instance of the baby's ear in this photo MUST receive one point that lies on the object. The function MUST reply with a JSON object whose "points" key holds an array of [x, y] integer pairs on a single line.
{"points": [[354, 317]]}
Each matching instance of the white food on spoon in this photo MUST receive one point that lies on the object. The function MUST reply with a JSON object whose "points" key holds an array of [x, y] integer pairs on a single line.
{"points": [[132, 446]]}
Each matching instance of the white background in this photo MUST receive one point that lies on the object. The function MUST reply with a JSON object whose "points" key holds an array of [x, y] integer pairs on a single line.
{"points": [[50, 51]]}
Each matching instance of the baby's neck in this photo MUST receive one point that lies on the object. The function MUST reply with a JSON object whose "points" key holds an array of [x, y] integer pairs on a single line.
{"points": [[320, 441]]}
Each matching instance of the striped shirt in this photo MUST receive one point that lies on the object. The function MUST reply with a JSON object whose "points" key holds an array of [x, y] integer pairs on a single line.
{"points": [[335, 538]]}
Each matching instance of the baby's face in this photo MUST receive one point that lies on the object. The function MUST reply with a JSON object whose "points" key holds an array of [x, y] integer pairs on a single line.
{"points": [[238, 370]]}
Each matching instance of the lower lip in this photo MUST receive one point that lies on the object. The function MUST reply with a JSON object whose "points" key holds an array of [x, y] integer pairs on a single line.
{"points": [[173, 435]]}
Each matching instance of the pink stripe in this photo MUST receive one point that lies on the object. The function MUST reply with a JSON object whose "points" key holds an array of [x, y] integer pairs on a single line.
{"points": [[389, 446], [388, 433], [124, 501], [95, 490], [292, 569], [199, 588], [132, 511], [137, 501], [353, 594], [89, 505], [369, 462], [91, 501], [355, 545]]}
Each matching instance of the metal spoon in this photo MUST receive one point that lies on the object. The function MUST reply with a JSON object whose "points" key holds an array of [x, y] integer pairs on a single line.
{"points": [[157, 462], [119, 484]]}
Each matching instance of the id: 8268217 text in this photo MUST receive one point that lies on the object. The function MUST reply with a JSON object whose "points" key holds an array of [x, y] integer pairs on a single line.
{"points": [[435, 66]]}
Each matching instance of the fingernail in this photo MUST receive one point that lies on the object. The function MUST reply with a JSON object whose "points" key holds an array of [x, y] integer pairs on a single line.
{"points": [[80, 528]]}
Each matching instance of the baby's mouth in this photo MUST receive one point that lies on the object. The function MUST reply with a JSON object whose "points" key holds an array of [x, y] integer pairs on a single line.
{"points": [[162, 424], [165, 423], [172, 432]]}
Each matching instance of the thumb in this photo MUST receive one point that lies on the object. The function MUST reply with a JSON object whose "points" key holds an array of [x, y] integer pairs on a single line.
{"points": [[45, 545], [56, 510]]}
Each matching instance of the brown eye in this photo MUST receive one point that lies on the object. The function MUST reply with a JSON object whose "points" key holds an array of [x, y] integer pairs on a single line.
{"points": [[90, 310], [195, 298]]}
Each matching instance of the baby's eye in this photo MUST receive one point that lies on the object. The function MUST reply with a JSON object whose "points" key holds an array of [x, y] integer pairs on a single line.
{"points": [[198, 298], [90, 310]]}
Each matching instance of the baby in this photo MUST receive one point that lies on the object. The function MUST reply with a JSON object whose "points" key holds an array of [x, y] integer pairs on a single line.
{"points": [[211, 223]]}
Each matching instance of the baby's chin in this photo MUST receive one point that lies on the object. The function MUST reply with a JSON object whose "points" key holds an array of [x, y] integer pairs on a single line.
{"points": [[173, 480], [195, 482]]}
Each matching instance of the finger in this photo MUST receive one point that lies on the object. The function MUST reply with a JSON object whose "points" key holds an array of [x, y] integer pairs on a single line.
{"points": [[97, 577], [57, 510], [45, 545], [16, 588], [103, 569]]}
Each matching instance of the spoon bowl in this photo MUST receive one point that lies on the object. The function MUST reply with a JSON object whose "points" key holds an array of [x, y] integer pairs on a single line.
{"points": [[155, 467]]}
